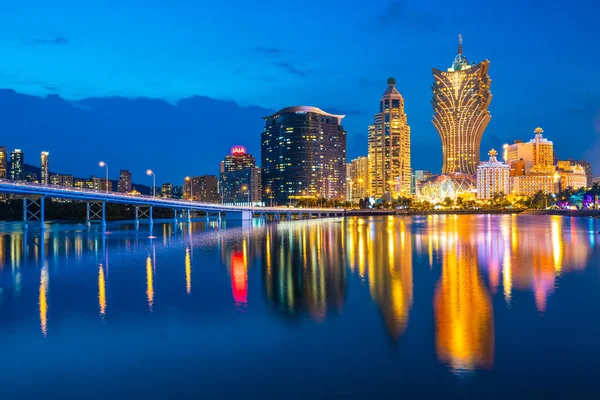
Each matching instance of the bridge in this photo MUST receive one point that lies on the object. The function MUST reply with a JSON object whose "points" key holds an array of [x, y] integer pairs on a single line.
{"points": [[34, 196]]}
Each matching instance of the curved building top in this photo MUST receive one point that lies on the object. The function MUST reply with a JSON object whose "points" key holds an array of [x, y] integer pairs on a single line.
{"points": [[304, 109]]}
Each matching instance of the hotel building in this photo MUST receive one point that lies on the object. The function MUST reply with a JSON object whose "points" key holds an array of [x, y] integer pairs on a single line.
{"points": [[571, 175], [492, 177], [303, 154], [538, 151], [389, 146], [461, 98], [240, 178]]}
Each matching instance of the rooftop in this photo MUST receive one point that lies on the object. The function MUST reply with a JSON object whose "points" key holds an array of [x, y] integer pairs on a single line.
{"points": [[304, 109]]}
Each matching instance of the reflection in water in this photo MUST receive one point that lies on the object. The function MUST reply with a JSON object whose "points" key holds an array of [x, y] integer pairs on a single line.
{"points": [[188, 271], [463, 308], [43, 302], [149, 283], [239, 279], [101, 290]]}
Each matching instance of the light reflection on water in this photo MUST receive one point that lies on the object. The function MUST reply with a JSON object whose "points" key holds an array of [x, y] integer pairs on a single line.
{"points": [[464, 269]]}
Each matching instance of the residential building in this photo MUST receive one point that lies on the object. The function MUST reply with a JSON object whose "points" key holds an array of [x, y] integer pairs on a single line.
{"points": [[16, 165], [67, 180], [492, 177], [166, 190], [359, 179], [3, 161], [204, 188], [124, 184], [44, 173], [56, 180], [389, 146], [461, 98], [303, 154]]}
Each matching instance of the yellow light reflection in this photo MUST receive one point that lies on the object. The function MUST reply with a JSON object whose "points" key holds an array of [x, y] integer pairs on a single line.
{"points": [[188, 271], [43, 301], [149, 283], [101, 291]]}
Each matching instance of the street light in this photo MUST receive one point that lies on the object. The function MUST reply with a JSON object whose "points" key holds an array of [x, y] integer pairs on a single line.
{"points": [[103, 164], [247, 192], [187, 178], [150, 172], [268, 191]]}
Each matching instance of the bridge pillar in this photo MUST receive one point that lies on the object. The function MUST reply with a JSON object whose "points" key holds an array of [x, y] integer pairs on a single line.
{"points": [[103, 215], [150, 220], [42, 212], [207, 218], [189, 218], [219, 217], [174, 216], [25, 212], [33, 209], [310, 216], [95, 211], [137, 215]]}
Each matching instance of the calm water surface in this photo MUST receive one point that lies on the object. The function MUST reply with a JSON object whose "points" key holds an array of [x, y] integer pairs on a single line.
{"points": [[452, 306]]}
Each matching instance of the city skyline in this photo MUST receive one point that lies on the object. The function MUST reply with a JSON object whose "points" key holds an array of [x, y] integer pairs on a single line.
{"points": [[523, 61]]}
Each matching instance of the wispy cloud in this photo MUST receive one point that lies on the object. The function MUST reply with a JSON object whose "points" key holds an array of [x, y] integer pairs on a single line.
{"points": [[57, 41], [290, 69], [268, 51], [399, 14]]}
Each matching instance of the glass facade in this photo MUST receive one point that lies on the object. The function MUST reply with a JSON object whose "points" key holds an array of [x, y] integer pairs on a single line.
{"points": [[461, 98], [303, 154], [389, 146]]}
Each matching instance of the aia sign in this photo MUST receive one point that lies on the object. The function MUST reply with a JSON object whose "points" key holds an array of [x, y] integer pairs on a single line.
{"points": [[238, 150]]}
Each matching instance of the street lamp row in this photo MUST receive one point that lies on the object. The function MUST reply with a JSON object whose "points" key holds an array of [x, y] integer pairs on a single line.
{"points": [[148, 172]]}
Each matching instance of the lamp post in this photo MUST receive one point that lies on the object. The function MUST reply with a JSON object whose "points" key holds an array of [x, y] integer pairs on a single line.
{"points": [[268, 191], [188, 179], [150, 172], [247, 192], [103, 164]]}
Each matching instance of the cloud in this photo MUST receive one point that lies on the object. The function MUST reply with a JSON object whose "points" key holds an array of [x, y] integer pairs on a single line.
{"points": [[290, 69], [268, 51], [399, 14], [57, 41]]}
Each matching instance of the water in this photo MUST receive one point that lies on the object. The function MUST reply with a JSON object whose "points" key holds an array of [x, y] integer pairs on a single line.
{"points": [[454, 306]]}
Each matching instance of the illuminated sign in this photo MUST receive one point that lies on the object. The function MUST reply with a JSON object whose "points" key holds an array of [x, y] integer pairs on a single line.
{"points": [[238, 150]]}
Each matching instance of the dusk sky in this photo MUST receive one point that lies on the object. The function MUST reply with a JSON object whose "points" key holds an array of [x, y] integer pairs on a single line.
{"points": [[332, 54]]}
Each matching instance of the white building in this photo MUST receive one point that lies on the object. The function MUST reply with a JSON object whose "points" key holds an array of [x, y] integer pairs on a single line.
{"points": [[492, 177]]}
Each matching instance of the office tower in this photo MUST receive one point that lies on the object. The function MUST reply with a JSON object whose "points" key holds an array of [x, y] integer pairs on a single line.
{"points": [[177, 192], [16, 165], [240, 178], [56, 180], [166, 190], [389, 146], [571, 174], [303, 154], [539, 151], [492, 177], [3, 159], [461, 97], [238, 160], [204, 188], [44, 168], [359, 178], [124, 184], [67, 180]]}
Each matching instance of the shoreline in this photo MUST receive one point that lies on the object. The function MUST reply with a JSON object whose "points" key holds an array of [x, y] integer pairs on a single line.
{"points": [[564, 213]]}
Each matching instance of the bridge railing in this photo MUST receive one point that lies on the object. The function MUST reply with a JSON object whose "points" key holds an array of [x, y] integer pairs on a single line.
{"points": [[64, 191]]}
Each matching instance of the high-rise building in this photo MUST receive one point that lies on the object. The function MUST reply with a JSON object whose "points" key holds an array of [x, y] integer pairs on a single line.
{"points": [[240, 178], [16, 165], [177, 192], [166, 190], [44, 168], [538, 151], [67, 180], [461, 97], [3, 159], [303, 154], [571, 174], [204, 188], [389, 146], [359, 179], [492, 177], [124, 184]]}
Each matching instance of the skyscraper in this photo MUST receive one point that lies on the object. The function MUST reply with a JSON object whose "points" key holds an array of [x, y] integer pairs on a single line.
{"points": [[389, 146], [3, 157], [124, 184], [359, 179], [16, 165], [492, 177], [44, 168], [461, 97], [303, 154], [240, 178]]}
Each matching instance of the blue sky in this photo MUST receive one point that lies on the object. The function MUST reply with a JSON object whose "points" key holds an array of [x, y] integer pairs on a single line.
{"points": [[332, 54]]}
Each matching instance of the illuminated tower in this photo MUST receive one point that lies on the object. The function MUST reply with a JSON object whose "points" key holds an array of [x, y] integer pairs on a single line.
{"points": [[16, 165], [461, 97], [389, 146], [44, 168]]}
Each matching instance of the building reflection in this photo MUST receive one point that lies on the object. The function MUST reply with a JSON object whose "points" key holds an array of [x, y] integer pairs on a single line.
{"points": [[381, 251], [464, 324], [304, 269]]}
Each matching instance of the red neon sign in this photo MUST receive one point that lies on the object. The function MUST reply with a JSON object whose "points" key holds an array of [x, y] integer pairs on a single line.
{"points": [[238, 150]]}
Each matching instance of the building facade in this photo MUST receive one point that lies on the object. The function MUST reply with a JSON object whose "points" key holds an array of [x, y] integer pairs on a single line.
{"points": [[303, 154], [493, 177], [571, 174], [16, 165], [389, 146], [124, 184], [166, 190], [539, 151], [204, 188], [240, 180], [461, 98], [539, 178], [359, 179], [3, 161], [44, 172]]}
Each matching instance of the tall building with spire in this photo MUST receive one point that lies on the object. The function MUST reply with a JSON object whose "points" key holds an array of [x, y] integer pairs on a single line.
{"points": [[389, 146], [461, 97]]}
